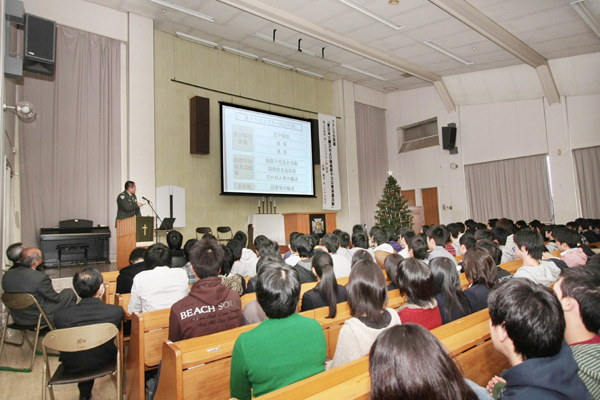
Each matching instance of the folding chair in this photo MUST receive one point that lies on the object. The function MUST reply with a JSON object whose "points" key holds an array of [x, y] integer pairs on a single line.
{"points": [[224, 229], [78, 339], [19, 301], [203, 230]]}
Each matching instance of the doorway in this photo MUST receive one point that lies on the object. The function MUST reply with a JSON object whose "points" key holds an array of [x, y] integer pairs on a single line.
{"points": [[430, 206], [409, 195]]}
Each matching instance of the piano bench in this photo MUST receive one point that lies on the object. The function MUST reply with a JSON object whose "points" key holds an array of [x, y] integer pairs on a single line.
{"points": [[73, 247]]}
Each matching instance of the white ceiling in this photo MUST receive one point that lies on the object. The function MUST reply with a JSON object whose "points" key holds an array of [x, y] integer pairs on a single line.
{"points": [[550, 27]]}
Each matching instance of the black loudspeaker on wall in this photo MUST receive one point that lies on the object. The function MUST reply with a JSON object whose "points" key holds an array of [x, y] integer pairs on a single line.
{"points": [[449, 137], [40, 44], [199, 125]]}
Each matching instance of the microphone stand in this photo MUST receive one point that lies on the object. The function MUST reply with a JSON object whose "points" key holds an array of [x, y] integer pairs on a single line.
{"points": [[157, 219]]}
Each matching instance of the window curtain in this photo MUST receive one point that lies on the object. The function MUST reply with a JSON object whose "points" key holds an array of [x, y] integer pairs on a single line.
{"points": [[371, 143], [587, 166], [518, 188], [71, 154]]}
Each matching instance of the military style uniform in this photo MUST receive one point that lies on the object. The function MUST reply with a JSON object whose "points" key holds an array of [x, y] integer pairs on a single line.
{"points": [[127, 205]]}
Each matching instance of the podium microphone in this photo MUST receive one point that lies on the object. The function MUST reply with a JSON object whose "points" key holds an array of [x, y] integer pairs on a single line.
{"points": [[146, 199]]}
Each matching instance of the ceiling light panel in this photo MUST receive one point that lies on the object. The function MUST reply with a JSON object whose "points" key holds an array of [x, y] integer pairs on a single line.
{"points": [[309, 73], [360, 71], [447, 52], [239, 52], [183, 9], [358, 7], [195, 39], [277, 64]]}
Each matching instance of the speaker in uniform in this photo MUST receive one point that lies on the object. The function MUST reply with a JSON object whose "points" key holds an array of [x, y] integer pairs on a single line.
{"points": [[127, 203]]}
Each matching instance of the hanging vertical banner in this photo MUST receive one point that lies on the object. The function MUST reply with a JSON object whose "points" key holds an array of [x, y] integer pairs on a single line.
{"points": [[330, 175]]}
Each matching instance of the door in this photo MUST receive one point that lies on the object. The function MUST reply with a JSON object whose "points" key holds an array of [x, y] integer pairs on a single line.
{"points": [[430, 206], [409, 195]]}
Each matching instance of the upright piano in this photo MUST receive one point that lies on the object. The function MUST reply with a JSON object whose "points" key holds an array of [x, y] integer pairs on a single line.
{"points": [[96, 237]]}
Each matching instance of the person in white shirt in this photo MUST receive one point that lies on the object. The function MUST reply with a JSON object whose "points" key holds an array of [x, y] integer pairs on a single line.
{"points": [[341, 265], [344, 239], [244, 259], [294, 257], [160, 285], [529, 247], [405, 235], [360, 241]]}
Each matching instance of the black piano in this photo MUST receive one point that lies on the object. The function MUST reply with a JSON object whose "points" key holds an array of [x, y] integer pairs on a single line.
{"points": [[71, 238]]}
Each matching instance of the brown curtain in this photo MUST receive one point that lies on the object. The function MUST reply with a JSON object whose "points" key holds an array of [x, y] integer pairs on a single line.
{"points": [[587, 165], [71, 154], [371, 143], [517, 188]]}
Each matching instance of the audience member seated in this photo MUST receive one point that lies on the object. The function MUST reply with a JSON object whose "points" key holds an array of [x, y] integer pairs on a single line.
{"points": [[175, 241], [566, 241], [382, 248], [244, 259], [126, 275], [529, 247], [360, 241], [587, 230], [367, 296], [160, 286], [508, 251], [578, 290], [24, 278], [327, 293], [448, 293], [305, 246], [360, 255], [408, 362], [13, 252], [415, 281], [417, 249], [253, 312], [481, 272], [405, 235], [293, 258], [344, 240], [527, 325], [188, 266], [393, 240], [483, 234], [551, 245], [491, 224], [437, 237], [210, 306], [235, 282], [499, 236], [391, 267], [471, 226], [283, 349], [454, 232], [496, 253], [341, 265], [89, 311]]}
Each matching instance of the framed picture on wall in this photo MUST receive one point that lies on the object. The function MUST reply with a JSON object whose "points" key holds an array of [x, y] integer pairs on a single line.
{"points": [[317, 224]]}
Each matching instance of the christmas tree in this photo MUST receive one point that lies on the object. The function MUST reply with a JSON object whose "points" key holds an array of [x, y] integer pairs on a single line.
{"points": [[392, 209]]}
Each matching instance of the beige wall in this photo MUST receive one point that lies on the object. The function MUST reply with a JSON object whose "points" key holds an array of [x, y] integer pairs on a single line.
{"points": [[201, 175]]}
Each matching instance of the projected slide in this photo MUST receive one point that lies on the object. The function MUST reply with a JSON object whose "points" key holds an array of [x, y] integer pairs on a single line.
{"points": [[265, 154]]}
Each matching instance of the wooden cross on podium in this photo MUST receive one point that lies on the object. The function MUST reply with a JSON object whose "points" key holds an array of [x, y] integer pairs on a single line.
{"points": [[144, 228]]}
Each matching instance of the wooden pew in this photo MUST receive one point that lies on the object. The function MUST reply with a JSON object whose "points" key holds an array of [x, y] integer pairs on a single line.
{"points": [[512, 266], [148, 331], [110, 286], [458, 258], [199, 368], [467, 338], [556, 253]]}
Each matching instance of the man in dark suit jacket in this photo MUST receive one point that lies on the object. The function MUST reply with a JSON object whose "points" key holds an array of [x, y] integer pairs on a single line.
{"points": [[90, 310], [127, 204], [24, 278], [126, 275]]}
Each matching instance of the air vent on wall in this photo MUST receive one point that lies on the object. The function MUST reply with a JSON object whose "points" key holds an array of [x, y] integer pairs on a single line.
{"points": [[418, 136]]}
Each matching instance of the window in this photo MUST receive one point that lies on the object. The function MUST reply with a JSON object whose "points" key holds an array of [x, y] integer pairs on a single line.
{"points": [[418, 136]]}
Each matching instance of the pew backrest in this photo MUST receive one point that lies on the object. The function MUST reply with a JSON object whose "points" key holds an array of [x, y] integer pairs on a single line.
{"points": [[110, 285]]}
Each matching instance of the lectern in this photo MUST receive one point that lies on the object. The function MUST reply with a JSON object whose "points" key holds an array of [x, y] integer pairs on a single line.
{"points": [[130, 232]]}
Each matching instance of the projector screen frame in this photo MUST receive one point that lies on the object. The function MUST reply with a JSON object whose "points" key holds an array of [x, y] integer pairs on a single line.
{"points": [[312, 163]]}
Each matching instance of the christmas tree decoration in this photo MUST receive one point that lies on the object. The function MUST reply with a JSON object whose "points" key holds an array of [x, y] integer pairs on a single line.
{"points": [[392, 208]]}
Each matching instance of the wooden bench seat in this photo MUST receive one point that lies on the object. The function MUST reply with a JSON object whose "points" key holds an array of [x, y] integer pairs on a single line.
{"points": [[110, 286], [468, 339]]}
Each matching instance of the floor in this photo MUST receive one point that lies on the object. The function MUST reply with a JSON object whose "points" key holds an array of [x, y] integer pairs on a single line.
{"points": [[21, 386]]}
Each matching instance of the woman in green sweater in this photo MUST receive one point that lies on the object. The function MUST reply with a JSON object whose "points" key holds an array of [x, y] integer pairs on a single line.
{"points": [[283, 349]]}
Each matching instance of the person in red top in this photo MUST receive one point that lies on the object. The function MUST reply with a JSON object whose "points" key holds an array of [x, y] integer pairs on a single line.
{"points": [[415, 281], [210, 306]]}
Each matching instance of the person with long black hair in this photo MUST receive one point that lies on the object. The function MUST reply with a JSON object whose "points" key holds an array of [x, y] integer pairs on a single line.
{"points": [[448, 293], [409, 362], [327, 292], [482, 274], [367, 297]]}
